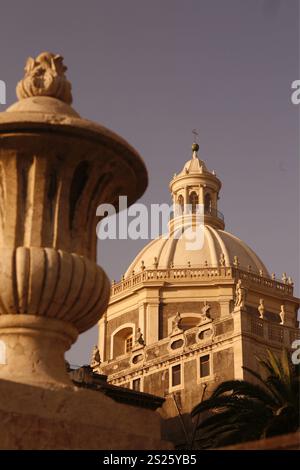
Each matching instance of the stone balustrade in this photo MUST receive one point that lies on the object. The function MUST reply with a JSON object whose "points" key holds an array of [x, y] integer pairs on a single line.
{"points": [[200, 274]]}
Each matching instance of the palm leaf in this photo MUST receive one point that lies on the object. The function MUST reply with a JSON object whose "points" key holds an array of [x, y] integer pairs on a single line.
{"points": [[245, 388], [269, 387], [240, 410]]}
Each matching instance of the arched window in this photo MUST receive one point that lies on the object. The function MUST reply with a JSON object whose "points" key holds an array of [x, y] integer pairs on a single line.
{"points": [[207, 204], [194, 201], [122, 340], [180, 202]]}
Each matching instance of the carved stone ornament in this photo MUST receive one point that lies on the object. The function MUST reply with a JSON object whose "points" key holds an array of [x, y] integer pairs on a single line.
{"points": [[176, 324], [282, 314], [95, 360], [45, 76], [205, 315], [261, 309], [240, 295], [139, 339]]}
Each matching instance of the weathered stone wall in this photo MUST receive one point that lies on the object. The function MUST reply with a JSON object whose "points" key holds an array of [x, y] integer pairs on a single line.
{"points": [[223, 365], [73, 418], [157, 383], [190, 396]]}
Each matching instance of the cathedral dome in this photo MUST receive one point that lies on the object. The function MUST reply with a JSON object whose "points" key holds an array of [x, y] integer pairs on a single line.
{"points": [[164, 253], [196, 190]]}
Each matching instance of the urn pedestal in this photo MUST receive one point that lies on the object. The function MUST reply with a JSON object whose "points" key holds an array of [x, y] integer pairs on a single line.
{"points": [[55, 169]]}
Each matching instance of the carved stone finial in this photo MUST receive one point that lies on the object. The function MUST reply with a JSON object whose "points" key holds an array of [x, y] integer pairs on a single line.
{"points": [[273, 276], [222, 259], [45, 76]]}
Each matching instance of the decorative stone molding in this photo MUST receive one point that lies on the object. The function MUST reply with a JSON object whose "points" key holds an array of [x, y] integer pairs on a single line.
{"points": [[206, 333], [52, 283], [138, 357], [35, 347]]}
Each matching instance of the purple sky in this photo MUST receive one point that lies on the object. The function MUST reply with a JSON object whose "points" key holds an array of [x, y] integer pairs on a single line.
{"points": [[154, 70]]}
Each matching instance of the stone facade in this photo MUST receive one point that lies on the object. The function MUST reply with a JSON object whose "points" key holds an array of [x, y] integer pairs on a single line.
{"points": [[204, 315]]}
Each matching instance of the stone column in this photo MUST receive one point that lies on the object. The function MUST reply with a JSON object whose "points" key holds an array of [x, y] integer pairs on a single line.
{"points": [[55, 169], [186, 199], [201, 194]]}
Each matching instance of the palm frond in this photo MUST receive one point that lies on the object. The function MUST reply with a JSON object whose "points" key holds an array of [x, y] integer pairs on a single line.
{"points": [[267, 385], [240, 410], [242, 387]]}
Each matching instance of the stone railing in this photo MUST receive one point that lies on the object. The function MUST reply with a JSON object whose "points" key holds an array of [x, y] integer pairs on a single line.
{"points": [[264, 281], [170, 274], [200, 274], [273, 332]]}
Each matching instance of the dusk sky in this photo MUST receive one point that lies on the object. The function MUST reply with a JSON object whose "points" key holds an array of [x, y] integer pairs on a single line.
{"points": [[154, 70]]}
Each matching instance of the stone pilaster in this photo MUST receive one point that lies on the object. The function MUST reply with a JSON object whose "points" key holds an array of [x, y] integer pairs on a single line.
{"points": [[152, 331]]}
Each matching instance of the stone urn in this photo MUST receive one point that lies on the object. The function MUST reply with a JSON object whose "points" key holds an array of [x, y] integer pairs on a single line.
{"points": [[55, 169]]}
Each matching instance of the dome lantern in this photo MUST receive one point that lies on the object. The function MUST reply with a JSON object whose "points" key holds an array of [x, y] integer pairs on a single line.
{"points": [[195, 188]]}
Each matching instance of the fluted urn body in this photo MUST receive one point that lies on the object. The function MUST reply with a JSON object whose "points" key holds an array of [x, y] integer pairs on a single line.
{"points": [[55, 169]]}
